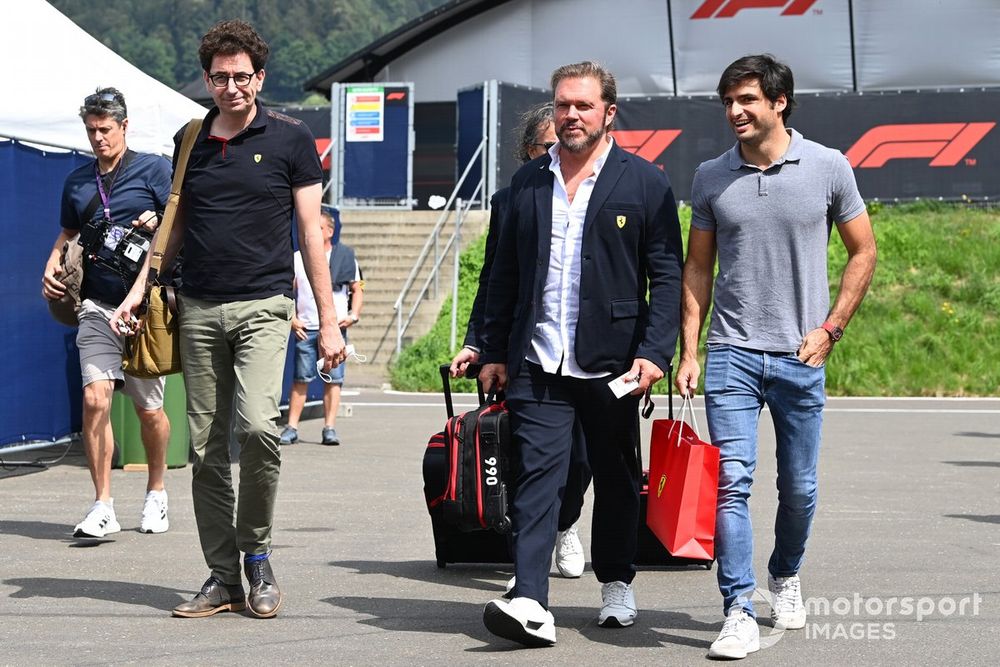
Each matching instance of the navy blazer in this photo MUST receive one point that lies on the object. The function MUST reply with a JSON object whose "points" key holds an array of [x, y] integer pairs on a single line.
{"points": [[631, 248], [474, 331]]}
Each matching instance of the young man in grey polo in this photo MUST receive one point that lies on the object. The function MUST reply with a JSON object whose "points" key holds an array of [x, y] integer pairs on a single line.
{"points": [[766, 207]]}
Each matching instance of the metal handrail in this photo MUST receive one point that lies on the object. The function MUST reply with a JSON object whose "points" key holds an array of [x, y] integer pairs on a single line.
{"points": [[432, 241], [322, 156]]}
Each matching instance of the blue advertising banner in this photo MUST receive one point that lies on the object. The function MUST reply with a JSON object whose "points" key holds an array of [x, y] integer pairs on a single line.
{"points": [[376, 143], [471, 109]]}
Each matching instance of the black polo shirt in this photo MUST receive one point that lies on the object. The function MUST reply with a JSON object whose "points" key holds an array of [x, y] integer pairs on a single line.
{"points": [[237, 207]]}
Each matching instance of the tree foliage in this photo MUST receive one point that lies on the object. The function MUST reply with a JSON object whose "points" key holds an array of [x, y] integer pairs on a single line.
{"points": [[161, 37]]}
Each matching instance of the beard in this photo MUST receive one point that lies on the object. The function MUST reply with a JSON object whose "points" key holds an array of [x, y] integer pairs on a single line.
{"points": [[583, 144]]}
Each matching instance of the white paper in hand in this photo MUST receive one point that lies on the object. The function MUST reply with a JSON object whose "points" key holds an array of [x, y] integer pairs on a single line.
{"points": [[623, 385]]}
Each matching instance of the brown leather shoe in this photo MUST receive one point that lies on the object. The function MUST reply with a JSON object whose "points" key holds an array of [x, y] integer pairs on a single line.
{"points": [[213, 597], [264, 597]]}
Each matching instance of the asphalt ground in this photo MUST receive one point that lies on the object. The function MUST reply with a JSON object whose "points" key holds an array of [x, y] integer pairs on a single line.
{"points": [[902, 567]]}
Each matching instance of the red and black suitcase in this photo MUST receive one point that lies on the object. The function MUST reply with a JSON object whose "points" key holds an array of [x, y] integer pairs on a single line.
{"points": [[466, 470]]}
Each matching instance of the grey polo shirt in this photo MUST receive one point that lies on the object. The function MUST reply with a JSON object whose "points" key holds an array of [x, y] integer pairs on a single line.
{"points": [[771, 229]]}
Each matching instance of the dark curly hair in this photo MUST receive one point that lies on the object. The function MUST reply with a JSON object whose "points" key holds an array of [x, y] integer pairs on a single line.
{"points": [[532, 120], [229, 38], [775, 79]]}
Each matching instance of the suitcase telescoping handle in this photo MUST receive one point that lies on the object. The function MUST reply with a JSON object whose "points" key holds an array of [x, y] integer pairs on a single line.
{"points": [[471, 372]]}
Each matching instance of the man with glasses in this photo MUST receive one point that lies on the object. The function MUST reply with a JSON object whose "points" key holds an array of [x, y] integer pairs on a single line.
{"points": [[249, 170], [107, 202], [348, 296]]}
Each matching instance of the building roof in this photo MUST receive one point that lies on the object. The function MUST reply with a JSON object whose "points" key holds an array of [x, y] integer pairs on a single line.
{"points": [[364, 64]]}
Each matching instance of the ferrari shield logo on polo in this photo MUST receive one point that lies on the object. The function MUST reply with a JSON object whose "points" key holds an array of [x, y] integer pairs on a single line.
{"points": [[621, 221], [659, 488], [257, 158]]}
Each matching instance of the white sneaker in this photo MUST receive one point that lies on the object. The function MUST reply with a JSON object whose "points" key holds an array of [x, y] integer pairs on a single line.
{"points": [[618, 609], [509, 588], [154, 513], [787, 610], [522, 620], [569, 553], [100, 521], [739, 637]]}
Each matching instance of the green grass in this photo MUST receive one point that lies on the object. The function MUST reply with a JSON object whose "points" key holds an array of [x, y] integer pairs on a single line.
{"points": [[416, 369], [928, 326]]}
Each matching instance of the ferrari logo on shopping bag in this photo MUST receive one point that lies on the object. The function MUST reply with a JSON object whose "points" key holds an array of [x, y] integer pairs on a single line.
{"points": [[659, 488], [257, 158], [621, 221]]}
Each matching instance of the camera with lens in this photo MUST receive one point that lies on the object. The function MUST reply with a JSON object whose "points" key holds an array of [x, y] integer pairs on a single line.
{"points": [[120, 249]]}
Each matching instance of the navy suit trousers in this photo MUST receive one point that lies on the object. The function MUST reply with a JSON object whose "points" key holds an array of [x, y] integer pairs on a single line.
{"points": [[543, 410], [577, 481]]}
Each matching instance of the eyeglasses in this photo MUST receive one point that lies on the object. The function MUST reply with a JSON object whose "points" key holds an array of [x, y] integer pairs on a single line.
{"points": [[220, 80], [547, 145], [96, 99]]}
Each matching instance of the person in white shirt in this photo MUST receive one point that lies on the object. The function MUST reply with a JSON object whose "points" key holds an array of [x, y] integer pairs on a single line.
{"points": [[348, 295], [585, 289]]}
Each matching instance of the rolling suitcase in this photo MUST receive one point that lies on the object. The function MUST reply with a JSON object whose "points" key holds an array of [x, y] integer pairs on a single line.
{"points": [[650, 551], [465, 494]]}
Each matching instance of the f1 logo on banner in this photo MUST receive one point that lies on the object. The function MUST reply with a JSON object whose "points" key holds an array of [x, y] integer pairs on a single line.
{"points": [[945, 143], [722, 9], [647, 144]]}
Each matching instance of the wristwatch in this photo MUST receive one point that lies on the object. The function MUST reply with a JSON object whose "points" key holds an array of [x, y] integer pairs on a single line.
{"points": [[354, 318], [836, 333]]}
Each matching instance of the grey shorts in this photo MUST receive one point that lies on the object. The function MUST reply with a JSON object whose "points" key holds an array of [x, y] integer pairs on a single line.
{"points": [[101, 357]]}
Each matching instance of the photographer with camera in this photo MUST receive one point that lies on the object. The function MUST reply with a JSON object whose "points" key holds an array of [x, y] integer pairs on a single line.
{"points": [[111, 203]]}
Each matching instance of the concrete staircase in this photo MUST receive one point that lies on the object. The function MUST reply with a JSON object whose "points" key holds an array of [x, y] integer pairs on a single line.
{"points": [[387, 244]]}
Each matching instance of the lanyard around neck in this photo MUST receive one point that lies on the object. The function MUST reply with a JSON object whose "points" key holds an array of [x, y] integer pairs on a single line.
{"points": [[114, 173]]}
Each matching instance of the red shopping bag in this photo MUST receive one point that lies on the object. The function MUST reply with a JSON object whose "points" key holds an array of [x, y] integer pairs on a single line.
{"points": [[683, 487]]}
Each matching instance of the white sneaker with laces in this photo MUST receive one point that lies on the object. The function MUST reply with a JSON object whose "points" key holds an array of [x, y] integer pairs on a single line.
{"points": [[154, 513], [618, 608], [787, 610], [569, 553], [740, 636], [100, 521], [522, 620]]}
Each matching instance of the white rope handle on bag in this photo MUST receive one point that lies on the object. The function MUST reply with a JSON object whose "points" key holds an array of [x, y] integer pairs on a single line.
{"points": [[687, 406]]}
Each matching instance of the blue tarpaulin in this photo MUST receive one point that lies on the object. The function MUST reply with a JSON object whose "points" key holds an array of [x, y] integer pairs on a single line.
{"points": [[40, 395]]}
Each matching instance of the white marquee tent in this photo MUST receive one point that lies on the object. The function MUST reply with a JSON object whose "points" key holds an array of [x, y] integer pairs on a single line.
{"points": [[51, 64]]}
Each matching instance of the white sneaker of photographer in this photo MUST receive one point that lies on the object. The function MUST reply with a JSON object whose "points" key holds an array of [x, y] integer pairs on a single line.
{"points": [[154, 513], [100, 521]]}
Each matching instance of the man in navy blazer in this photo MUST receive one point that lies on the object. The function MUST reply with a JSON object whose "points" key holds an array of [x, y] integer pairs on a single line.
{"points": [[591, 231]]}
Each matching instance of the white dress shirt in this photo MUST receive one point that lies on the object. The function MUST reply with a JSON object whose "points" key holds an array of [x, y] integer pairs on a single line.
{"points": [[553, 343]]}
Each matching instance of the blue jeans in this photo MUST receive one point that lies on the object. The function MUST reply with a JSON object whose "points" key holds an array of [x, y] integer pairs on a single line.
{"points": [[738, 383], [306, 356]]}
